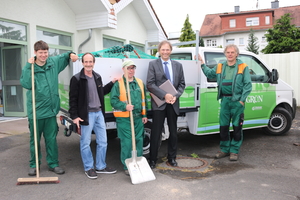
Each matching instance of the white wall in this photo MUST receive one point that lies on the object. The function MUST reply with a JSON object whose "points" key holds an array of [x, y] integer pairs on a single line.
{"points": [[288, 66], [130, 28], [53, 14]]}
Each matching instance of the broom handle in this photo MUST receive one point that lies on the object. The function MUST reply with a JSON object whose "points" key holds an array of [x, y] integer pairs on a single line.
{"points": [[34, 122], [130, 112]]}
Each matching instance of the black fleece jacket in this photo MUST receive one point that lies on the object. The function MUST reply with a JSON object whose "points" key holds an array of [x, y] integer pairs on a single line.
{"points": [[78, 95]]}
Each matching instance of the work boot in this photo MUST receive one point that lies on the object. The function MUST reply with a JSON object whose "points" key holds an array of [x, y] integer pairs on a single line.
{"points": [[221, 154], [57, 170], [233, 157], [32, 172]]}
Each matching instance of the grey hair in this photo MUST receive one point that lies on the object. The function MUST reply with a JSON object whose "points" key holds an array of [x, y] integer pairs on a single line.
{"points": [[232, 46]]}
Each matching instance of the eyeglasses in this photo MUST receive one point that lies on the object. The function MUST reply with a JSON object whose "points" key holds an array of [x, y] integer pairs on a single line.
{"points": [[131, 68]]}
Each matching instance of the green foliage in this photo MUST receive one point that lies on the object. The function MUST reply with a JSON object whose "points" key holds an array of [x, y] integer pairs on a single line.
{"points": [[252, 42], [284, 37], [194, 155], [187, 33], [201, 42]]}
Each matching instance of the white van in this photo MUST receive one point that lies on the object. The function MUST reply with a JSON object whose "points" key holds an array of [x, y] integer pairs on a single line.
{"points": [[271, 104]]}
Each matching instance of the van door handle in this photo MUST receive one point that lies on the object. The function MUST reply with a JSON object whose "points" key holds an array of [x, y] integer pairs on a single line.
{"points": [[211, 87]]}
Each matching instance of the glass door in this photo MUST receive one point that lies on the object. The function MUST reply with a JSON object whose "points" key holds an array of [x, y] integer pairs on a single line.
{"points": [[14, 104]]}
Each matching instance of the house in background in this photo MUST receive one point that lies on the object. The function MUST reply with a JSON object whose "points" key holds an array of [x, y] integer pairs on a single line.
{"points": [[219, 30], [67, 25]]}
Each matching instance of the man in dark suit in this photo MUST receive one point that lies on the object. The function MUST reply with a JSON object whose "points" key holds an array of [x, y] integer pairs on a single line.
{"points": [[159, 71]]}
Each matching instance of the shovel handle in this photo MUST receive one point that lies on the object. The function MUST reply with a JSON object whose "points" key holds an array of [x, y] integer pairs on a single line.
{"points": [[130, 112], [34, 121]]}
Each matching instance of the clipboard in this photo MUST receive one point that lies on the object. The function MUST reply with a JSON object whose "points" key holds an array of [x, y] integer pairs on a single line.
{"points": [[168, 87]]}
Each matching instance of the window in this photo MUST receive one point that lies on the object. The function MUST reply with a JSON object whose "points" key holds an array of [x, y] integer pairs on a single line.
{"points": [[232, 23], [258, 72], [59, 42], [241, 40], [267, 19], [253, 21], [263, 39], [211, 43], [229, 41], [181, 56], [138, 46], [12, 31], [110, 42]]}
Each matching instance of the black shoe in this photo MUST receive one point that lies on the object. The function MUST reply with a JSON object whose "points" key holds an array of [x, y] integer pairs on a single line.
{"points": [[32, 172], [106, 170], [91, 174], [172, 162], [152, 164], [57, 170]]}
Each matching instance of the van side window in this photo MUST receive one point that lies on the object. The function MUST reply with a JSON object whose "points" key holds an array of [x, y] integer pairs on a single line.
{"points": [[181, 56], [211, 61], [258, 72]]}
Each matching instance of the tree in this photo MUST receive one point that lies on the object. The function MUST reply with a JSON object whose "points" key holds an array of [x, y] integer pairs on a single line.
{"points": [[201, 42], [187, 33], [252, 42], [284, 37]]}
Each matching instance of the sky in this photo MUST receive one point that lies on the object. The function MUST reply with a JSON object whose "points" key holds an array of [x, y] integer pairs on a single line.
{"points": [[172, 13]]}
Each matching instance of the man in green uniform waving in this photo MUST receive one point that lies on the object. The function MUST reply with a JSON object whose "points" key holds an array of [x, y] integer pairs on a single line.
{"points": [[234, 85], [119, 102], [47, 102]]}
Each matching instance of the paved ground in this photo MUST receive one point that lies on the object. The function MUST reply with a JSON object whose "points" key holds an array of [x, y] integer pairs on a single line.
{"points": [[268, 169]]}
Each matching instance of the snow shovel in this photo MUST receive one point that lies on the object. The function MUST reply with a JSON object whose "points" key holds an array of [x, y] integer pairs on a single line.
{"points": [[38, 179], [138, 167]]}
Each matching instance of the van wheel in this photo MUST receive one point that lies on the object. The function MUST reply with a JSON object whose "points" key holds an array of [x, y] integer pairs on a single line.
{"points": [[280, 122], [147, 136]]}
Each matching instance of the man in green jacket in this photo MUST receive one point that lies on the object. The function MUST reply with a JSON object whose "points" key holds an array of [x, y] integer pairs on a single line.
{"points": [[234, 85], [46, 70], [119, 102]]}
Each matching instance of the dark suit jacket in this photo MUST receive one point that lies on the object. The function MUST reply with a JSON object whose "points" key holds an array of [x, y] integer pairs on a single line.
{"points": [[156, 76]]}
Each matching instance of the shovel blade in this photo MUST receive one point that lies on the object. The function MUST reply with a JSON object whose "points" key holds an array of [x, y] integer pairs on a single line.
{"points": [[139, 170]]}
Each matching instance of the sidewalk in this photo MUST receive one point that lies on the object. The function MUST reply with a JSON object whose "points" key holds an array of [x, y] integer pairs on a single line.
{"points": [[13, 126]]}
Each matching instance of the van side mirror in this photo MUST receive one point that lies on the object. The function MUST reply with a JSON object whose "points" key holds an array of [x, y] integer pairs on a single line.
{"points": [[274, 76]]}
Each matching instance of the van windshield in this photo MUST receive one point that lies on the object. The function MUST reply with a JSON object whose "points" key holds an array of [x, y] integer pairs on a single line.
{"points": [[181, 56]]}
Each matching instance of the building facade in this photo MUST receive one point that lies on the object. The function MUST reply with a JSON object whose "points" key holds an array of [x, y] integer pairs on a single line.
{"points": [[67, 25], [219, 30]]}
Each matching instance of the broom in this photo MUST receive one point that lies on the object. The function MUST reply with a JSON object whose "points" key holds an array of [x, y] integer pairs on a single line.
{"points": [[38, 179]]}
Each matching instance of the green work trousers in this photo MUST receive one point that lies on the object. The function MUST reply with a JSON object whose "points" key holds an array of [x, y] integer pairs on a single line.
{"points": [[124, 133], [49, 128], [231, 111]]}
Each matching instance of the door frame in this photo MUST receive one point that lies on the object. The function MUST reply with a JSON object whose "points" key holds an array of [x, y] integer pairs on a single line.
{"points": [[6, 83]]}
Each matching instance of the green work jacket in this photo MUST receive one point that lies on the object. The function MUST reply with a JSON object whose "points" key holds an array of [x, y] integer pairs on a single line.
{"points": [[241, 81], [46, 86]]}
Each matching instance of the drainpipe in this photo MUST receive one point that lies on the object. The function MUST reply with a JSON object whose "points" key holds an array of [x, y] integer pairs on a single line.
{"points": [[80, 46]]}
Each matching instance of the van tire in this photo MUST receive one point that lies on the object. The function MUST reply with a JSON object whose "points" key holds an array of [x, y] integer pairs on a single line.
{"points": [[147, 136], [280, 122]]}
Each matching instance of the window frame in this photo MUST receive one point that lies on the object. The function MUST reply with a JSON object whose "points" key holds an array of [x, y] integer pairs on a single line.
{"points": [[54, 47], [252, 21], [113, 39], [232, 23]]}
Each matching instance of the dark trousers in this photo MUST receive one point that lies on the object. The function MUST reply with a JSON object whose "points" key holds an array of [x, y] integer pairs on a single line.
{"points": [[158, 121]]}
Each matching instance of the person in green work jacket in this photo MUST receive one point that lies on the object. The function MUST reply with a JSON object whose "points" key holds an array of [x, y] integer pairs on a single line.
{"points": [[234, 85], [121, 109], [46, 70]]}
